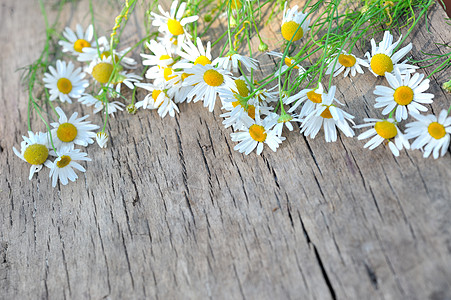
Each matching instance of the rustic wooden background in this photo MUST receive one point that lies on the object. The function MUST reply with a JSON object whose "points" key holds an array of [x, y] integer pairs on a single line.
{"points": [[169, 210]]}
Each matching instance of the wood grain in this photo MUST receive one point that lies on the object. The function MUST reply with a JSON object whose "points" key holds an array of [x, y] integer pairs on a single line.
{"points": [[170, 211]]}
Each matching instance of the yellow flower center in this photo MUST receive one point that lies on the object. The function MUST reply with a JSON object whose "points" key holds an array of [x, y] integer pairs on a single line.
{"points": [[203, 60], [167, 74], [64, 161], [106, 54], [243, 90], [403, 95], [251, 111], [164, 56], [64, 85], [155, 94], [314, 97], [213, 78], [381, 63], [36, 154], [102, 72], [80, 44], [67, 132], [257, 133], [185, 75], [175, 27], [326, 114], [386, 129], [289, 62], [236, 4], [436, 130], [288, 30], [346, 60]]}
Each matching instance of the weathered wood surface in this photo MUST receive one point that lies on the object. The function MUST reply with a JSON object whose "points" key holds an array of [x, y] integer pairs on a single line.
{"points": [[169, 210]]}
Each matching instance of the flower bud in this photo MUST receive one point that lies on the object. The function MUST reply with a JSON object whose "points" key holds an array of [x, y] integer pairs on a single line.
{"points": [[131, 109], [102, 139], [262, 47]]}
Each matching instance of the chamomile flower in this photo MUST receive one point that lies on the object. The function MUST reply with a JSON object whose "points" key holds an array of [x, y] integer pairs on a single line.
{"points": [[101, 139], [405, 94], [383, 131], [73, 130], [161, 59], [255, 134], [194, 55], [79, 40], [177, 90], [383, 58], [233, 61], [34, 149], [65, 82], [284, 119], [173, 22], [112, 107], [329, 116], [63, 166], [430, 132], [288, 62], [157, 99], [310, 97], [346, 62], [102, 70], [265, 96], [294, 24], [208, 81], [128, 79], [90, 54]]}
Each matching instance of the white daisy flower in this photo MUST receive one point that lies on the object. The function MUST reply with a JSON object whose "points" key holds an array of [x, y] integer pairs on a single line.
{"points": [[101, 139], [256, 134], [157, 99], [329, 116], [405, 94], [288, 62], [383, 131], [194, 55], [232, 61], [128, 79], [265, 96], [177, 90], [79, 40], [61, 168], [311, 98], [346, 62], [294, 24], [283, 120], [34, 150], [65, 82], [382, 58], [430, 132], [73, 130], [172, 22], [90, 54], [102, 69], [208, 82], [112, 106]]}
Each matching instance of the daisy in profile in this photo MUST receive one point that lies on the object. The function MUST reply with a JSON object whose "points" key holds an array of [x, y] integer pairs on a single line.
{"points": [[294, 24], [383, 58], [328, 116], [405, 94], [265, 96], [383, 131], [255, 134], [430, 132], [284, 120], [34, 149], [173, 22], [79, 40], [101, 139], [65, 82], [232, 61], [193, 55], [128, 79], [65, 163], [346, 62], [111, 107], [161, 59], [73, 130], [310, 97], [288, 62], [177, 90], [208, 82]]}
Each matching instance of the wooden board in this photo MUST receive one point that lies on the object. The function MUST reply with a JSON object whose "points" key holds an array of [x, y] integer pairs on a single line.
{"points": [[169, 210]]}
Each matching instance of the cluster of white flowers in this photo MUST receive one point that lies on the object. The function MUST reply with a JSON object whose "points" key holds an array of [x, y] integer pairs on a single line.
{"points": [[66, 83]]}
